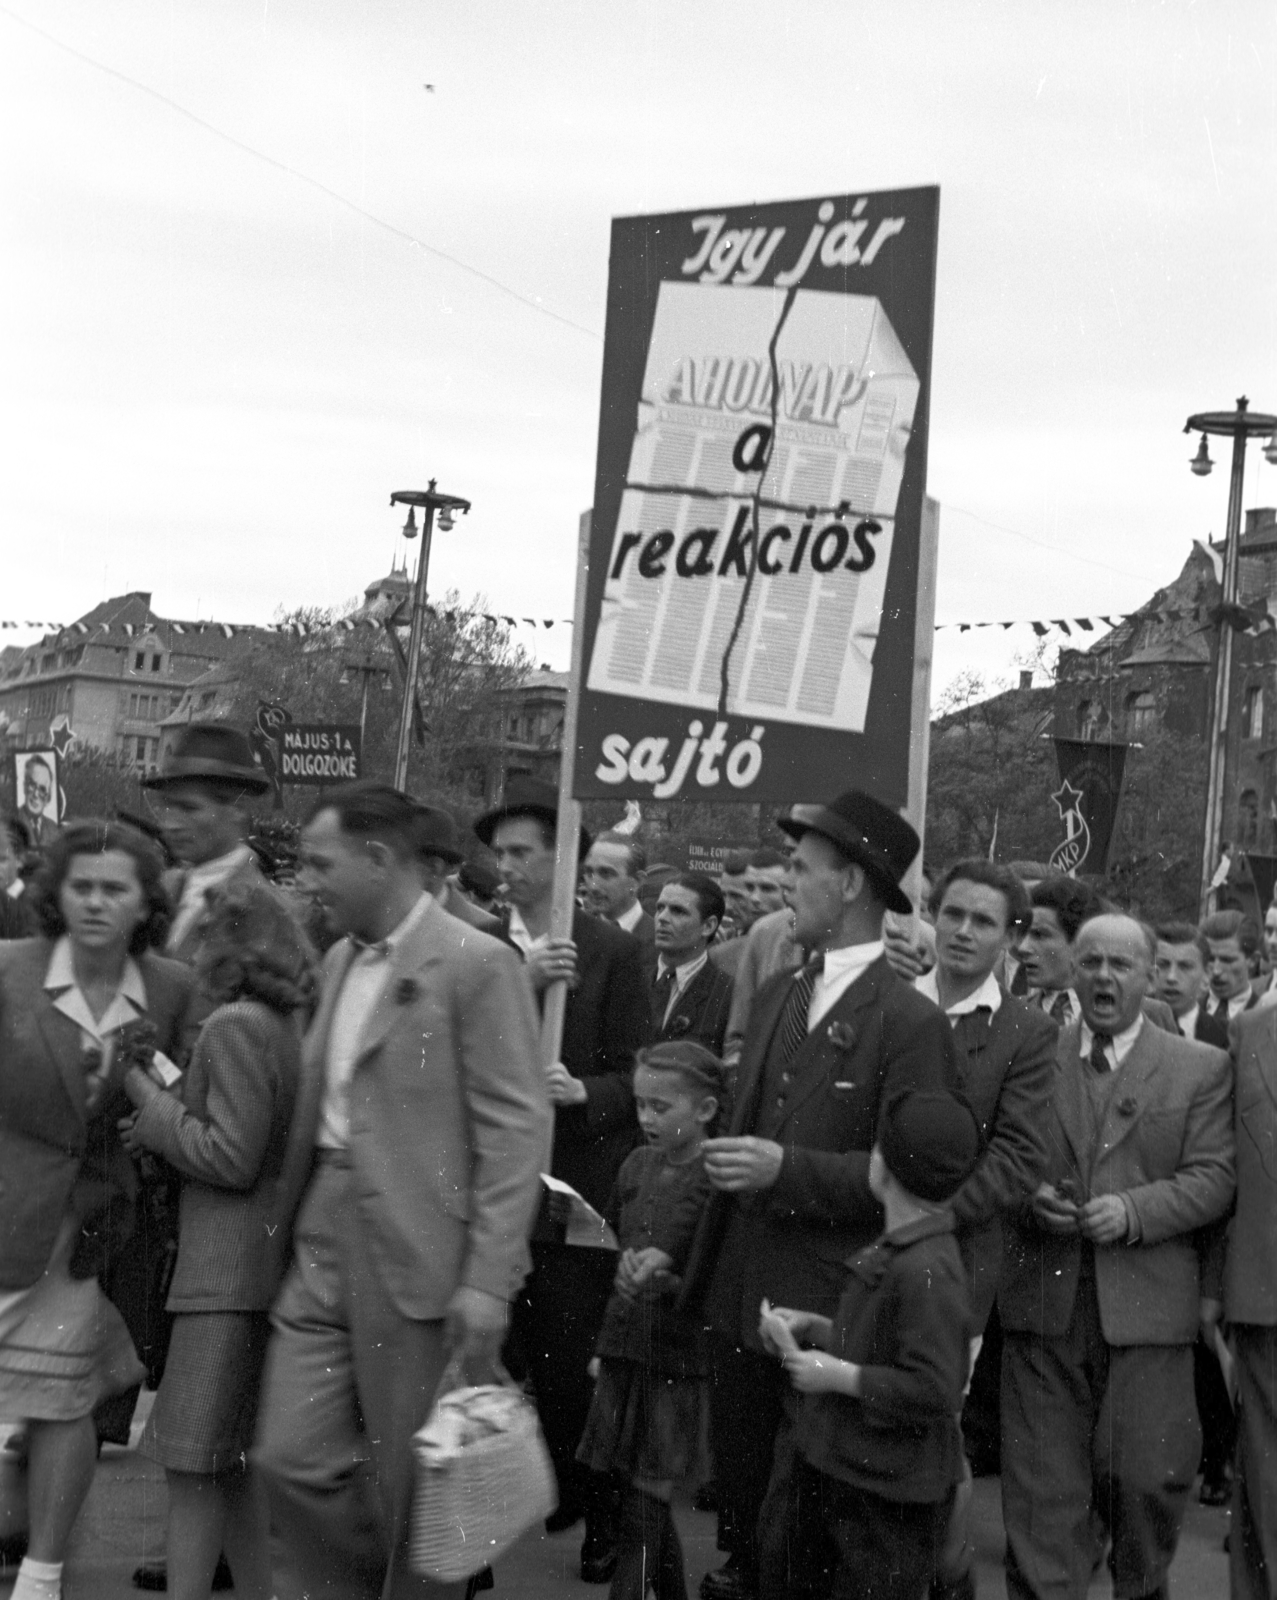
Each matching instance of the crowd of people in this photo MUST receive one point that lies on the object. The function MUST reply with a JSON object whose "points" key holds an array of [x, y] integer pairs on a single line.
{"points": [[884, 1177]]}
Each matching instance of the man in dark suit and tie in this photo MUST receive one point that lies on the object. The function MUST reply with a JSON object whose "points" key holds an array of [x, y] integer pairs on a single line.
{"points": [[691, 997], [1100, 1291], [824, 1049], [608, 1017], [1232, 940]]}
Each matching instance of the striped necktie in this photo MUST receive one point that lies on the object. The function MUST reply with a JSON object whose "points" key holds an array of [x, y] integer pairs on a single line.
{"points": [[1059, 1011], [793, 1023]]}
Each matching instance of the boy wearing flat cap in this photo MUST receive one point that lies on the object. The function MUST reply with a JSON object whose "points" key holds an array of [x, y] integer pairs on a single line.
{"points": [[879, 1452]]}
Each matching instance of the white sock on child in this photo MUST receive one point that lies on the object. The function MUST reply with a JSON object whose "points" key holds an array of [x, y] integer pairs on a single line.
{"points": [[38, 1580]]}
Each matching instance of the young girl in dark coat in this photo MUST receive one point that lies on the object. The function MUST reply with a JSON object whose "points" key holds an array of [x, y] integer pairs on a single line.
{"points": [[645, 1418]]}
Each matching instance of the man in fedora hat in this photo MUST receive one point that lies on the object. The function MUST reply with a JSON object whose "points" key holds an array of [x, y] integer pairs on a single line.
{"points": [[200, 791], [439, 854], [825, 1048], [557, 1318]]}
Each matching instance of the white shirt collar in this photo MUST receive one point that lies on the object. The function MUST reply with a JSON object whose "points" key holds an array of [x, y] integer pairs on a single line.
{"points": [[988, 997], [212, 874], [629, 920], [128, 1003], [519, 935], [1118, 1050], [390, 944], [683, 974], [849, 958], [1238, 1003]]}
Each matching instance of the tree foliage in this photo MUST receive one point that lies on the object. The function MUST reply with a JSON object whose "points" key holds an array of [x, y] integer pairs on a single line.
{"points": [[467, 662]]}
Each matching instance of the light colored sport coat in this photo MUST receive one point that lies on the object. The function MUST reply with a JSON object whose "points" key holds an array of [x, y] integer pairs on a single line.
{"points": [[1250, 1271], [1166, 1146], [450, 1123]]}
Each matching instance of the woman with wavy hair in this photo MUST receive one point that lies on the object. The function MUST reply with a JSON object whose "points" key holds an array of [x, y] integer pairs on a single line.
{"points": [[76, 1005], [225, 1134]]}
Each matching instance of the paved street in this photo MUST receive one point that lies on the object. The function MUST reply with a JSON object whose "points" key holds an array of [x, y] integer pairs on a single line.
{"points": [[124, 1524]]}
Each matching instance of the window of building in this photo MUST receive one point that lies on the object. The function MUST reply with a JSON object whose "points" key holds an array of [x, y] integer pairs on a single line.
{"points": [[139, 661], [1253, 713], [1248, 819], [207, 698], [141, 750], [133, 705], [155, 663], [1141, 712]]}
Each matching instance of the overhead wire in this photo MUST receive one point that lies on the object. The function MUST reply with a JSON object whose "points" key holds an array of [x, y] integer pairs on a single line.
{"points": [[317, 184]]}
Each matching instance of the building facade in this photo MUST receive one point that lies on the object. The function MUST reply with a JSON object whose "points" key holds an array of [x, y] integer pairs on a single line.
{"points": [[112, 677], [1156, 672]]}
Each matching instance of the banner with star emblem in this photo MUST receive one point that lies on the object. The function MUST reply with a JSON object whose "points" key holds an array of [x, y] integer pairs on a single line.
{"points": [[1087, 801]]}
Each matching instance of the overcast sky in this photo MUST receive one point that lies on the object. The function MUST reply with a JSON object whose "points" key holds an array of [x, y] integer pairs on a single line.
{"points": [[213, 374]]}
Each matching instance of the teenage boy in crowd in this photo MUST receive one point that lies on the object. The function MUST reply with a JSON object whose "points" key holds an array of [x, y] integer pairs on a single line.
{"points": [[1006, 1064], [1233, 942], [1180, 976]]}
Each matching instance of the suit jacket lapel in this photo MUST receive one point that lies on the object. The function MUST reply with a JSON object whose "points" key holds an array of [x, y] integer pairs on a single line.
{"points": [[752, 1063], [1262, 1057], [809, 1067], [1137, 1069], [62, 1036], [1072, 1104], [409, 957]]}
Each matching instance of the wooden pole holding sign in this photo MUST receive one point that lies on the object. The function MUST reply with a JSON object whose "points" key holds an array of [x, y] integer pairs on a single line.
{"points": [[920, 706], [568, 833]]}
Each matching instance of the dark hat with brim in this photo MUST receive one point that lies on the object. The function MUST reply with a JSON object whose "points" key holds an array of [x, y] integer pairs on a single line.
{"points": [[526, 797], [437, 835], [214, 752], [867, 832]]}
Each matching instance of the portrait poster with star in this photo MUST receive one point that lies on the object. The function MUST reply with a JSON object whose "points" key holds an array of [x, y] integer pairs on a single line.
{"points": [[748, 625], [1086, 804]]}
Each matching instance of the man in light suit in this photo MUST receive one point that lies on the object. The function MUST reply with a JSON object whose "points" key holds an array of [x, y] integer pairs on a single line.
{"points": [[410, 1181], [1099, 1294], [824, 1049], [1250, 1307]]}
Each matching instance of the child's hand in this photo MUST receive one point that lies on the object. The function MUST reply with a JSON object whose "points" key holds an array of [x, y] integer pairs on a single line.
{"points": [[647, 1263], [814, 1372]]}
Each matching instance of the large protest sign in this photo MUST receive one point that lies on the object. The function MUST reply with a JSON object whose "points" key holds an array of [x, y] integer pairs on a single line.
{"points": [[748, 632]]}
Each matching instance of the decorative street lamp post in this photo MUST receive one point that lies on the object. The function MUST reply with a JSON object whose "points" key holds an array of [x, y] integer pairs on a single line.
{"points": [[446, 505], [1238, 425]]}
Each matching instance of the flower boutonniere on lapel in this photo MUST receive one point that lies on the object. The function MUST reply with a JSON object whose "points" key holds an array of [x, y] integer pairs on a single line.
{"points": [[406, 991], [678, 1026], [1127, 1106], [841, 1035]]}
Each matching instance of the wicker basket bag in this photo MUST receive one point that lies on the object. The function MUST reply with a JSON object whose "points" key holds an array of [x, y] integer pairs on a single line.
{"points": [[483, 1477]]}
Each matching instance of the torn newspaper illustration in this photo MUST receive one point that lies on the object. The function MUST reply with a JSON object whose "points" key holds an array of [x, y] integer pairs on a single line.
{"points": [[844, 395]]}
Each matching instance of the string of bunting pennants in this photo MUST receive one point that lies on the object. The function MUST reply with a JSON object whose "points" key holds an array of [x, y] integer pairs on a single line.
{"points": [[229, 630], [1258, 617]]}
